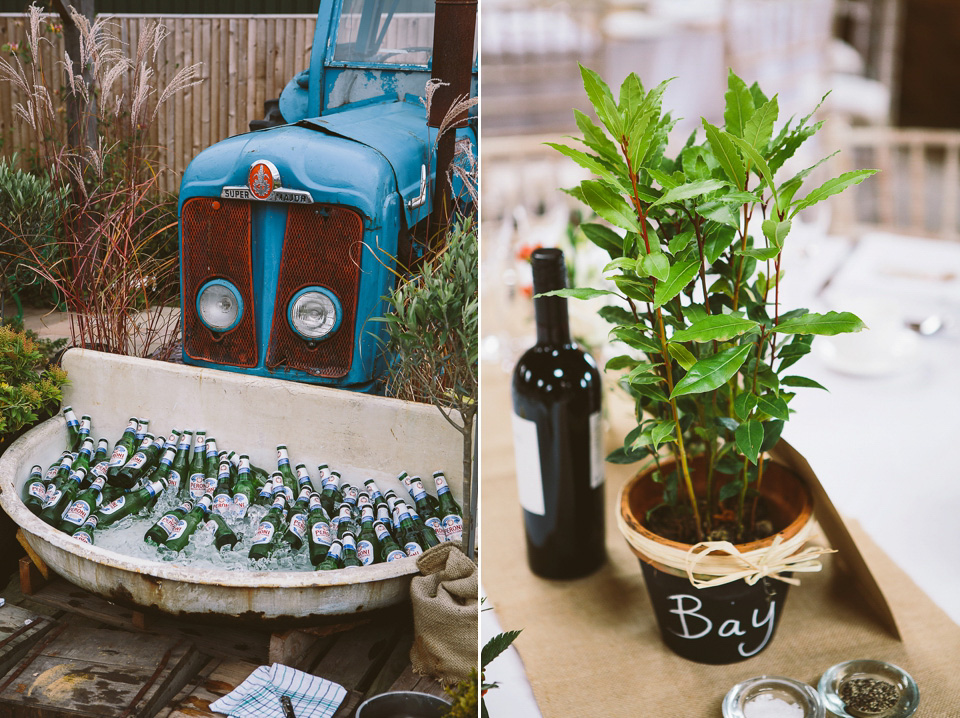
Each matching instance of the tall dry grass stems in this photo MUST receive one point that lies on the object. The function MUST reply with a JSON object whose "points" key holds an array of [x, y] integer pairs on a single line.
{"points": [[115, 281]]}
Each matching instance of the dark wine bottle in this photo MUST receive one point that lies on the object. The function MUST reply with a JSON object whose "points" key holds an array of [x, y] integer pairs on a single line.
{"points": [[558, 438]]}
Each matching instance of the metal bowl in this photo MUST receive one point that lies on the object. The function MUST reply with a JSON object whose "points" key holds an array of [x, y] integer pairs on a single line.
{"points": [[403, 704]]}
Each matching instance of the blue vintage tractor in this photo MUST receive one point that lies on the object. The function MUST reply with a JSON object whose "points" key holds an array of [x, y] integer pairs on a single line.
{"points": [[289, 235]]}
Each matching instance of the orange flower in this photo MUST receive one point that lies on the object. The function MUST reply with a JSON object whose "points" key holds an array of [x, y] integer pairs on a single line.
{"points": [[526, 250]]}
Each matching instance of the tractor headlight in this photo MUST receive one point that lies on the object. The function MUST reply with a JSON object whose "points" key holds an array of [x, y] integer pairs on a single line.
{"points": [[314, 313], [219, 305]]}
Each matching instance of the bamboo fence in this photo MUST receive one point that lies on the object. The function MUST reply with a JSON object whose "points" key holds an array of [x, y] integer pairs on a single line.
{"points": [[247, 59]]}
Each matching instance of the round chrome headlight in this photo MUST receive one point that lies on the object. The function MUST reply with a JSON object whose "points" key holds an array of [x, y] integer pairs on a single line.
{"points": [[219, 305], [314, 313]]}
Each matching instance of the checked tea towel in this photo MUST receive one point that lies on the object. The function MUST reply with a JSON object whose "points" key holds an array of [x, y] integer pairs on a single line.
{"points": [[259, 695]]}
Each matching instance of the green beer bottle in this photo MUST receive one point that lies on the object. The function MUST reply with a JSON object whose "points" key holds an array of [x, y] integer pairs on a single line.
{"points": [[244, 489], [343, 521], [318, 531], [368, 545], [185, 528], [279, 483], [102, 453], [86, 423], [363, 500], [34, 491], [54, 469], [389, 549], [223, 495], [86, 503], [162, 472], [350, 493], [297, 520], [374, 492], [140, 462], [450, 513], [349, 558], [424, 509], [323, 473], [143, 427], [84, 534], [331, 496], [177, 476], [57, 503], [283, 468], [73, 428], [383, 515], [409, 536], [223, 535], [127, 504], [196, 483], [84, 456], [266, 537], [123, 448], [63, 472], [161, 529], [172, 440], [303, 478], [331, 561], [427, 534], [265, 495], [211, 467]]}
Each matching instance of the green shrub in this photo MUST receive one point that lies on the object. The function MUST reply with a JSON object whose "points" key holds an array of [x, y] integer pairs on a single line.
{"points": [[30, 390], [29, 210]]}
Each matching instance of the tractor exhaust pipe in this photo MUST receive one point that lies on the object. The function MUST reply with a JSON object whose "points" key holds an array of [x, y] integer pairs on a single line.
{"points": [[454, 30]]}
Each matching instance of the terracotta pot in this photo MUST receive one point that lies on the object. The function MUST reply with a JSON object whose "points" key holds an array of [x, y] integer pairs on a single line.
{"points": [[719, 624]]}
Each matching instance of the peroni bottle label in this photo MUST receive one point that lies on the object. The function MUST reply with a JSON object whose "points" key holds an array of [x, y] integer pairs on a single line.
{"points": [[52, 497], [77, 513], [37, 489], [321, 533], [114, 506], [210, 485], [118, 457], [197, 485], [264, 533], [82, 537], [222, 504], [434, 523], [178, 530], [173, 480], [396, 555], [365, 552], [298, 525], [240, 505], [137, 462], [453, 527]]}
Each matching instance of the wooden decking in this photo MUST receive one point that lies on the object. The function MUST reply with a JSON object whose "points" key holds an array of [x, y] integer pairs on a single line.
{"points": [[80, 653]]}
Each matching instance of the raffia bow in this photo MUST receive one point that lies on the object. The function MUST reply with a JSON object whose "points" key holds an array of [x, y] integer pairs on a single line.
{"points": [[751, 566]]}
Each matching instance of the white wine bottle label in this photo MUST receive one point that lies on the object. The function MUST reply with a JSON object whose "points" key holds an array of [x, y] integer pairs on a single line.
{"points": [[453, 527], [264, 533], [197, 486], [526, 446], [321, 533], [365, 552], [114, 506], [597, 456], [119, 457], [298, 526], [173, 480], [77, 513]]}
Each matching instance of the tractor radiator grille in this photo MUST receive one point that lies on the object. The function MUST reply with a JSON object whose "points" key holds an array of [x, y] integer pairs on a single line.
{"points": [[321, 247], [216, 245]]}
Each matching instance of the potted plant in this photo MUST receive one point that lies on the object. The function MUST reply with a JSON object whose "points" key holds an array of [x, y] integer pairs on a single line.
{"points": [[710, 352]]}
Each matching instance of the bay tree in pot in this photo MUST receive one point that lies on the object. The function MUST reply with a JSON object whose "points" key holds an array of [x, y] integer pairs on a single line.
{"points": [[696, 250]]}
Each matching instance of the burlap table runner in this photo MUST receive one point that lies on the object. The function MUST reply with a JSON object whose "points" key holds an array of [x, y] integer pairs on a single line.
{"points": [[591, 647]]}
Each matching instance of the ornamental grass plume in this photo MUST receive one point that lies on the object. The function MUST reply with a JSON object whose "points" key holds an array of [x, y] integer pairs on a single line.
{"points": [[115, 270]]}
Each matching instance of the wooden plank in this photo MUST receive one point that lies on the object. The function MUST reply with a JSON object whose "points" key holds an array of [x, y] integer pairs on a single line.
{"points": [[951, 193], [224, 677], [63, 595], [233, 69], [207, 94], [199, 93], [356, 657], [170, 710], [179, 104], [100, 673], [19, 630]]}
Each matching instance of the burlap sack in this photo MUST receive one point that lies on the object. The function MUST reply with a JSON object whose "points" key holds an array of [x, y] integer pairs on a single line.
{"points": [[445, 614]]}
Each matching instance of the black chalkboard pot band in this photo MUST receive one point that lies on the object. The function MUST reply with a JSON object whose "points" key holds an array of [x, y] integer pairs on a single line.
{"points": [[737, 618]]}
